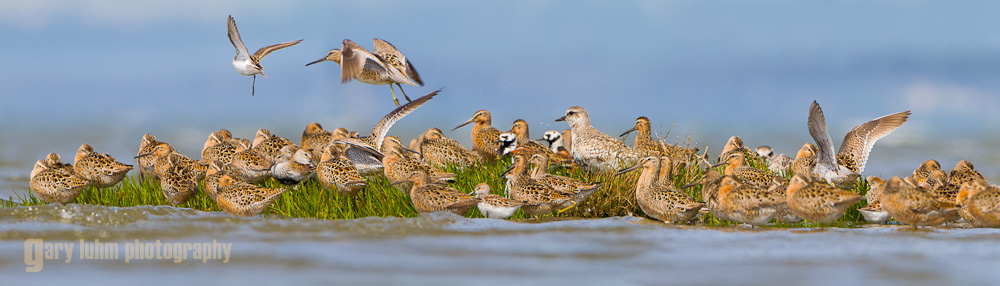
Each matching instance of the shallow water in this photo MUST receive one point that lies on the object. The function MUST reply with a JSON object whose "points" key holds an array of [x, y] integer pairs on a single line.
{"points": [[443, 248]]}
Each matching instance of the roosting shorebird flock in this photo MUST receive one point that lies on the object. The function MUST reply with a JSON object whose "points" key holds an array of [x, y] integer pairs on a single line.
{"points": [[746, 186]]}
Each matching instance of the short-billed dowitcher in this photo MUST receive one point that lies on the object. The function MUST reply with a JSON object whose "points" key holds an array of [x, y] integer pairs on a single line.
{"points": [[805, 159], [912, 205], [428, 196], [962, 173], [736, 166], [440, 151], [163, 150], [921, 173], [844, 167], [384, 65], [980, 203], [269, 145], [397, 166], [100, 169], [664, 203], [211, 185], [145, 163], [745, 203], [55, 184], [817, 201], [709, 182], [541, 198], [484, 136], [494, 206], [293, 165], [246, 64], [315, 140], [240, 198], [594, 149], [250, 166], [578, 190], [177, 180], [336, 170], [218, 148], [644, 144]]}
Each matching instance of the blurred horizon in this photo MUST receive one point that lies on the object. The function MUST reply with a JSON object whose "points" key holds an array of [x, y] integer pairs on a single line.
{"points": [[107, 72]]}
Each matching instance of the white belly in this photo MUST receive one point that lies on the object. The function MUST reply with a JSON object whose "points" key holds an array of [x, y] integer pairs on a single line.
{"points": [[245, 68]]}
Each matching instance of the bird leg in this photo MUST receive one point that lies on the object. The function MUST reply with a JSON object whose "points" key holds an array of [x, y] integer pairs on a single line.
{"points": [[404, 93], [567, 208], [394, 95], [253, 85]]}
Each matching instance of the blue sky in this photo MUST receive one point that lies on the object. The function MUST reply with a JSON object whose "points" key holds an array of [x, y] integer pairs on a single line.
{"points": [[118, 69]]}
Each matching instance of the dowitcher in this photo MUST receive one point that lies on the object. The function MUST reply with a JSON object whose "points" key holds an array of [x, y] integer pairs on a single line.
{"points": [[246, 64], [520, 130], [873, 212], [845, 166], [336, 170], [938, 183], [315, 140], [384, 65], [736, 166], [541, 198], [397, 166], [218, 148], [784, 214], [644, 144], [576, 189], [53, 183], [177, 179], [269, 145], [911, 205], [980, 203], [431, 197], [250, 166], [365, 152], [709, 188], [484, 136], [735, 144], [921, 173], [776, 163], [805, 159], [817, 201], [746, 203], [663, 203], [240, 198], [215, 171], [440, 151], [102, 170], [507, 144], [494, 206], [595, 149], [292, 166], [962, 173], [145, 163], [161, 151]]}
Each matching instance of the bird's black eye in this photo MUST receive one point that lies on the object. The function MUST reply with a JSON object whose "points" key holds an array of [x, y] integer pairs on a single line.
{"points": [[571, 113]]}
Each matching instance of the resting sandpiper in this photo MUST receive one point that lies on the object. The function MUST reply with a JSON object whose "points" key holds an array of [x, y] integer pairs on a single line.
{"points": [[246, 64], [484, 136], [315, 140], [440, 151], [963, 172], [912, 205], [541, 198], [250, 166], [578, 190], [666, 204], [594, 149], [817, 201], [240, 198], [845, 167], [384, 65], [102, 170], [737, 166], [177, 180], [55, 184], [746, 203], [980, 203], [428, 196], [336, 170]]}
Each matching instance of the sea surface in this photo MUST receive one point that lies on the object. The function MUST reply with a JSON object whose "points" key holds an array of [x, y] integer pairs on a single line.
{"points": [[441, 248]]}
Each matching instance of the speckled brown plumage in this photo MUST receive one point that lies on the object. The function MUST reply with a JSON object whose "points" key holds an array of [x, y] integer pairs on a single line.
{"points": [[243, 199], [911, 205], [664, 203], [484, 136], [336, 170], [102, 170], [818, 201], [55, 183]]}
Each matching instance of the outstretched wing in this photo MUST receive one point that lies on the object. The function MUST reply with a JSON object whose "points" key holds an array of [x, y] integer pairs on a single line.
{"points": [[267, 50], [382, 128], [817, 129], [858, 143], [234, 37], [355, 60], [392, 56]]}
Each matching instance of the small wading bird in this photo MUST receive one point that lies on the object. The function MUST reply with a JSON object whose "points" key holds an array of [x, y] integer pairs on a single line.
{"points": [[245, 63], [384, 65]]}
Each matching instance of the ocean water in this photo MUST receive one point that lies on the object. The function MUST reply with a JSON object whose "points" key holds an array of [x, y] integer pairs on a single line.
{"points": [[441, 248]]}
